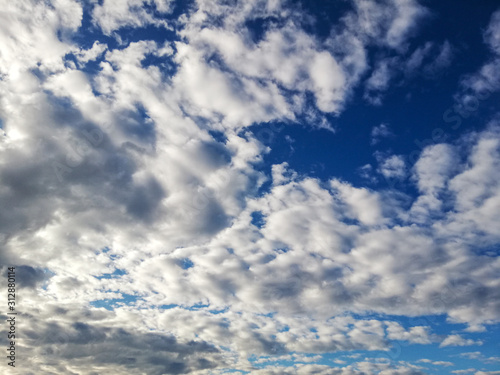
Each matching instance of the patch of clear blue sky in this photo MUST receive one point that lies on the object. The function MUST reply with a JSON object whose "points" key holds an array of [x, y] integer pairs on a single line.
{"points": [[115, 274], [112, 303]]}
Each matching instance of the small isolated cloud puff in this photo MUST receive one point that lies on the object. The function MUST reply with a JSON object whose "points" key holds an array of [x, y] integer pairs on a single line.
{"points": [[436, 363], [457, 340], [112, 15], [380, 132], [391, 167]]}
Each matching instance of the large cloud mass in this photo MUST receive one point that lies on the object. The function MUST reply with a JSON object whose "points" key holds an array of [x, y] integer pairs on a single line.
{"points": [[136, 185]]}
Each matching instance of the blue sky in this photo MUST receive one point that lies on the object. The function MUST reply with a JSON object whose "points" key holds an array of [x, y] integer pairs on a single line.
{"points": [[265, 187]]}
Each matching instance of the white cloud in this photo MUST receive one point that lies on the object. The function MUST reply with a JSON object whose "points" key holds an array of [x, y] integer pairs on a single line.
{"points": [[425, 62], [471, 355], [379, 80], [365, 367], [429, 59], [391, 22], [379, 132], [436, 363], [281, 174], [417, 335], [91, 54], [329, 82], [443, 363], [491, 35], [300, 65], [391, 167], [34, 33], [480, 357], [433, 170], [362, 204], [457, 340], [486, 80], [367, 173], [112, 15], [289, 56], [441, 61]]}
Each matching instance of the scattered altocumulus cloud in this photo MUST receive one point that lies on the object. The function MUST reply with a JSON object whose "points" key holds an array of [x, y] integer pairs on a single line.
{"points": [[117, 191]]}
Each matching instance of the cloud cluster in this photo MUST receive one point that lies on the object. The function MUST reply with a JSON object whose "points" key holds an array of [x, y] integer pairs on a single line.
{"points": [[111, 16]]}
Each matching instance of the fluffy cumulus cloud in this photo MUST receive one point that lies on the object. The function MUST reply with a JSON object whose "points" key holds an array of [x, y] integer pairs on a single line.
{"points": [[457, 340], [148, 239], [111, 16]]}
